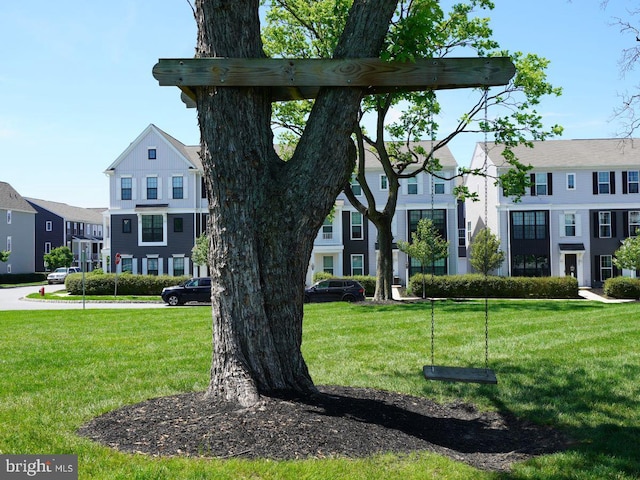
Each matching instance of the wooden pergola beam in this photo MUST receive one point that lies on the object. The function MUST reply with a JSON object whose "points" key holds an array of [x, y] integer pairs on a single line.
{"points": [[293, 79]]}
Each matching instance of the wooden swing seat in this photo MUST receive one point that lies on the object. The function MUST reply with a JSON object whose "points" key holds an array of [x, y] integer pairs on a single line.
{"points": [[460, 374]]}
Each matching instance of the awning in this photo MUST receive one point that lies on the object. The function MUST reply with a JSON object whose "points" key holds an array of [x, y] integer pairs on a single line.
{"points": [[572, 247]]}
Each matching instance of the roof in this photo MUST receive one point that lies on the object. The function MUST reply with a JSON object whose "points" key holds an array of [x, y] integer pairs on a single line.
{"points": [[10, 199], [70, 213], [609, 152]]}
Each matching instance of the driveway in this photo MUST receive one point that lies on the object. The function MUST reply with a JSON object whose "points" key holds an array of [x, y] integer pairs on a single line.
{"points": [[14, 299]]}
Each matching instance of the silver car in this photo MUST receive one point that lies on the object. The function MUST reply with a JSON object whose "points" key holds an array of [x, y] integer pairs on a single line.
{"points": [[59, 274]]}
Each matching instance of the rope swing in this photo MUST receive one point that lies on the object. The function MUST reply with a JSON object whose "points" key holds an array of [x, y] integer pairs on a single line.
{"points": [[466, 374]]}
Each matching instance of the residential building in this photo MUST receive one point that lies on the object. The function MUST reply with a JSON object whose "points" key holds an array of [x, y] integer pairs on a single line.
{"points": [[59, 224], [17, 231], [347, 242], [157, 206], [584, 200]]}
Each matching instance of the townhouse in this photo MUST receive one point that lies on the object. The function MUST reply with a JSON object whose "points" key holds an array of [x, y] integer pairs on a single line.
{"points": [[583, 202], [17, 231], [347, 242], [59, 224], [157, 207]]}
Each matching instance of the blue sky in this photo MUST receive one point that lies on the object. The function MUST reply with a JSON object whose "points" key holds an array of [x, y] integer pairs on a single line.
{"points": [[76, 85]]}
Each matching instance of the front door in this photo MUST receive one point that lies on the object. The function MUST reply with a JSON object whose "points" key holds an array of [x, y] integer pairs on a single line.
{"points": [[571, 265]]}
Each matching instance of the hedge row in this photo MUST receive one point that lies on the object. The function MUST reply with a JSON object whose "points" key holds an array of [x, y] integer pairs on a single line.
{"points": [[16, 278], [104, 284], [476, 285], [622, 287]]}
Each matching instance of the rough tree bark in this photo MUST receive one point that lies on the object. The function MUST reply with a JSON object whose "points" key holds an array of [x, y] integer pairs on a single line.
{"points": [[265, 213]]}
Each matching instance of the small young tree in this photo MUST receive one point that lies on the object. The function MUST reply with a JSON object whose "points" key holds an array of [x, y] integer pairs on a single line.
{"points": [[485, 254], [4, 256], [59, 257], [200, 251], [427, 247], [628, 255]]}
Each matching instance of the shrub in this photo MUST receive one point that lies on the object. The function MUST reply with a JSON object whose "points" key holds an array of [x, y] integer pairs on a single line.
{"points": [[476, 286], [318, 276], [104, 284], [622, 287]]}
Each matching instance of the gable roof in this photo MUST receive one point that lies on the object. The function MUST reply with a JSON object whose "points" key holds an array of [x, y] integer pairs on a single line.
{"points": [[70, 213], [575, 154], [10, 199], [190, 154]]}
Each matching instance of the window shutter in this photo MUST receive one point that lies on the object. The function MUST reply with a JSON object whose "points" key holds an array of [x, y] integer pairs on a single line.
{"points": [[532, 178], [625, 224], [578, 226], [170, 186], [597, 269], [614, 215], [549, 183], [624, 182], [595, 183], [159, 188], [596, 225], [563, 231], [612, 181], [134, 181]]}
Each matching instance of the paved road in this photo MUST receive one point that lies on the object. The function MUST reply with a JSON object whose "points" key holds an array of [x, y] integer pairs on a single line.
{"points": [[14, 299]]}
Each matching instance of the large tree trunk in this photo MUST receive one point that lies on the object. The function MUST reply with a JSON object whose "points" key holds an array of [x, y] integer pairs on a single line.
{"points": [[265, 213], [384, 274]]}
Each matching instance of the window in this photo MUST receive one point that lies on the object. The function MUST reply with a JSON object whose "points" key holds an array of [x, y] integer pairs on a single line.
{"points": [[356, 226], [8, 217], [469, 232], [569, 224], [604, 183], [632, 181], [530, 266], [438, 187], [177, 187], [178, 266], [151, 153], [606, 267], [177, 225], [127, 264], [462, 237], [355, 186], [529, 225], [604, 224], [327, 264], [152, 266], [48, 225], [357, 264], [412, 186], [152, 228], [438, 220], [47, 247], [384, 183], [126, 188], [634, 224], [8, 244], [327, 229], [152, 188], [126, 225], [571, 181], [539, 184]]}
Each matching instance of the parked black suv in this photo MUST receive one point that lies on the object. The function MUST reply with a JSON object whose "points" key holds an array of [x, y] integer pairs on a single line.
{"points": [[334, 290], [193, 290]]}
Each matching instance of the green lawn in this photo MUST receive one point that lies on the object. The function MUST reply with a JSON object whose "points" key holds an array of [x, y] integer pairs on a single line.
{"points": [[573, 365]]}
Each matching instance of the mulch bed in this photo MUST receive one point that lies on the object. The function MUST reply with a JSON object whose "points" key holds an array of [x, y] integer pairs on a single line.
{"points": [[338, 422]]}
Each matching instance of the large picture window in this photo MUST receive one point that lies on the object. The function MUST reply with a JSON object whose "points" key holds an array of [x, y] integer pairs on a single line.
{"points": [[152, 228], [529, 225], [530, 266]]}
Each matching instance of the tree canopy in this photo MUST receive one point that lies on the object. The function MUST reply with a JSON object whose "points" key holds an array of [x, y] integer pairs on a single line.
{"points": [[59, 257]]}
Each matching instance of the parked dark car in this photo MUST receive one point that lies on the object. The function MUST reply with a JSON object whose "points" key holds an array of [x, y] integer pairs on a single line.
{"points": [[192, 290], [334, 290]]}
